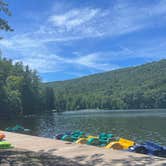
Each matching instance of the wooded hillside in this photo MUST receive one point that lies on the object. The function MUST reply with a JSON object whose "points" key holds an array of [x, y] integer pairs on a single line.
{"points": [[129, 88]]}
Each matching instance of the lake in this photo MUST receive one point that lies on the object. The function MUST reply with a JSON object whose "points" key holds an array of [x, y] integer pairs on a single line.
{"points": [[138, 125]]}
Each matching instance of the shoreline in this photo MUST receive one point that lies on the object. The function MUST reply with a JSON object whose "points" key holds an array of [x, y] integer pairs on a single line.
{"points": [[111, 111], [77, 153], [148, 110]]}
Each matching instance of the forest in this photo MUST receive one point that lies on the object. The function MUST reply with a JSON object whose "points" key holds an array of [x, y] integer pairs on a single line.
{"points": [[140, 87], [21, 91]]}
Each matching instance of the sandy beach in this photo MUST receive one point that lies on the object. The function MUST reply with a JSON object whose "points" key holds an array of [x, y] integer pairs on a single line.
{"points": [[32, 150]]}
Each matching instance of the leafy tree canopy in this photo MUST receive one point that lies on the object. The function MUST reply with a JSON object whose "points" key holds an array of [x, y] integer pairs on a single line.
{"points": [[4, 23], [21, 91]]}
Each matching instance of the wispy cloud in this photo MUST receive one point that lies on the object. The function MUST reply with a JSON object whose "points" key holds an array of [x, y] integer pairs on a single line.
{"points": [[95, 61], [53, 63], [122, 18], [81, 23], [73, 18], [21, 42]]}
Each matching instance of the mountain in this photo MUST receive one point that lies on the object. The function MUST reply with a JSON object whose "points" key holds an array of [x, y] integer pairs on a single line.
{"points": [[137, 87]]}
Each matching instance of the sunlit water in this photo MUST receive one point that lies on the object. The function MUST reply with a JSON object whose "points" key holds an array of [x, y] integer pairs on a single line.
{"points": [[138, 125]]}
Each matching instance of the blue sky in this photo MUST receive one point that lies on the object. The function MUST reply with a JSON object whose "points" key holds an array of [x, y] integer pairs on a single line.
{"points": [[72, 38]]}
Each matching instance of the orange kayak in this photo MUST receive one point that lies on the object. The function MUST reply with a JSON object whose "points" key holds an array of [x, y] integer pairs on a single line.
{"points": [[2, 136]]}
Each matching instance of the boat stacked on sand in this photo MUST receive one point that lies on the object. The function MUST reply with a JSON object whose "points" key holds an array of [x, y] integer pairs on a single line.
{"points": [[109, 141], [4, 144]]}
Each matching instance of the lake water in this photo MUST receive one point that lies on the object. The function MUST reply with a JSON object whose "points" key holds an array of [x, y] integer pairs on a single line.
{"points": [[138, 125]]}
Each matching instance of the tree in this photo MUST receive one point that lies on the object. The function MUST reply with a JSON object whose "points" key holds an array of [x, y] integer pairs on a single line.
{"points": [[21, 91], [49, 98], [4, 23]]}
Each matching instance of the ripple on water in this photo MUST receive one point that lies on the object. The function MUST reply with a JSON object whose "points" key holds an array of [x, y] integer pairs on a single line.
{"points": [[138, 125]]}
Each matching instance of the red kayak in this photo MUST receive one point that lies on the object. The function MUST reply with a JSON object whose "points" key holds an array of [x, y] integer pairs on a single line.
{"points": [[2, 136]]}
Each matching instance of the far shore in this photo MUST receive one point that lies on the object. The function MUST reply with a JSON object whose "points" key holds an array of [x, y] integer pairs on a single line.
{"points": [[114, 110], [86, 111]]}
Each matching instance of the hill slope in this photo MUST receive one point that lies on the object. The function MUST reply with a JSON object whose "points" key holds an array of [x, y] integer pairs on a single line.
{"points": [[135, 87]]}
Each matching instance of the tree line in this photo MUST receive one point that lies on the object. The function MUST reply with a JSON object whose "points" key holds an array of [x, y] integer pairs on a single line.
{"points": [[140, 87], [21, 91]]}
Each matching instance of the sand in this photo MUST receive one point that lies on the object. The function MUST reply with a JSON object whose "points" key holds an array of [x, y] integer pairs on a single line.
{"points": [[32, 150]]}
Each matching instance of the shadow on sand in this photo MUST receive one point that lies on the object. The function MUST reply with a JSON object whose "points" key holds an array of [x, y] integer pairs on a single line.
{"points": [[17, 157]]}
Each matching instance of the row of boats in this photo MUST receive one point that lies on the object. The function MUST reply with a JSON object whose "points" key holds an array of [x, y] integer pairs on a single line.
{"points": [[109, 141]]}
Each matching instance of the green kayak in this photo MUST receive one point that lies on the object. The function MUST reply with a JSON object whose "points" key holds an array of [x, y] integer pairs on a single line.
{"points": [[5, 145]]}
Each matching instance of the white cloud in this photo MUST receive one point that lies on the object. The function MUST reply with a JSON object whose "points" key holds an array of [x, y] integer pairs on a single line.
{"points": [[21, 42], [122, 18], [95, 61], [73, 18], [53, 63], [81, 23], [43, 62]]}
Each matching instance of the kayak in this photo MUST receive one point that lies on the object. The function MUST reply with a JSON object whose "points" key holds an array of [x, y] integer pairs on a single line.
{"points": [[5, 145], [2, 136]]}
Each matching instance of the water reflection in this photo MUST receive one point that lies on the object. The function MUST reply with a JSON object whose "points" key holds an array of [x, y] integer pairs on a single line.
{"points": [[136, 125]]}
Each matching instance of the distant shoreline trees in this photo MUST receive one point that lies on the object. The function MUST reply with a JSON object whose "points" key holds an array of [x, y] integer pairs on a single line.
{"points": [[141, 87]]}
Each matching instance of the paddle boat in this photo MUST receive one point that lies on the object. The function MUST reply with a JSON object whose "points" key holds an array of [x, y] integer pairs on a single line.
{"points": [[150, 148], [110, 142], [59, 136], [102, 140], [74, 136], [2, 136], [17, 128], [121, 144], [85, 139]]}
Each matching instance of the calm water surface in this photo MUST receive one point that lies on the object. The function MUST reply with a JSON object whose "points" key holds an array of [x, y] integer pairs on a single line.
{"points": [[138, 125]]}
